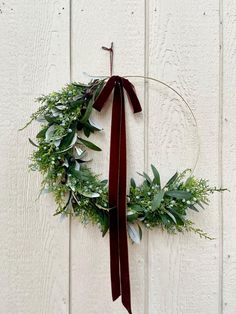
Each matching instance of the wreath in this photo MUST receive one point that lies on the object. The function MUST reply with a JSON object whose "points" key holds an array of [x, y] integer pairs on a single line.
{"points": [[61, 155]]}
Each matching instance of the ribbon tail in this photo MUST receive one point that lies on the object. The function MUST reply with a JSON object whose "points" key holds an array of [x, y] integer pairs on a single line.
{"points": [[123, 241], [119, 262], [114, 195], [119, 259]]}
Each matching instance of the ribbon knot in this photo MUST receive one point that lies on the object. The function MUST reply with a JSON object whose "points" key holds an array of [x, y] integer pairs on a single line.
{"points": [[119, 259]]}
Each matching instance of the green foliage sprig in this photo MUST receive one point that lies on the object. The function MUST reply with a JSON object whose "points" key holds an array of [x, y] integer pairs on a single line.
{"points": [[60, 156]]}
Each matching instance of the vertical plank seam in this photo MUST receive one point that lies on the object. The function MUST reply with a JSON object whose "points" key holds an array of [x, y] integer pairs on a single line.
{"points": [[70, 76], [146, 124], [69, 287], [220, 161]]}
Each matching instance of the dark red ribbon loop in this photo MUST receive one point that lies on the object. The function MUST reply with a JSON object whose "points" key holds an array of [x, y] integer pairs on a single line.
{"points": [[119, 259]]}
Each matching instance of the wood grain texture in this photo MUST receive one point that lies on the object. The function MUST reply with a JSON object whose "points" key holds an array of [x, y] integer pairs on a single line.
{"points": [[96, 24], [47, 268], [229, 156], [184, 270], [34, 258]]}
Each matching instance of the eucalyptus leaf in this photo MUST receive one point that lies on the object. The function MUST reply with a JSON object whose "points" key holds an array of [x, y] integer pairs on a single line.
{"points": [[164, 219], [156, 174], [71, 185], [193, 208], [86, 131], [57, 143], [50, 132], [131, 216], [75, 104], [69, 139], [157, 199], [83, 161], [179, 194], [141, 218], [136, 207], [65, 163], [140, 232], [61, 107], [171, 216], [77, 166], [79, 152], [42, 133], [132, 183], [75, 198], [179, 218], [146, 176], [77, 97], [89, 128], [41, 119], [89, 144], [68, 142], [50, 119], [172, 179], [104, 182], [99, 88], [105, 225], [87, 112], [133, 233], [102, 207], [95, 125], [55, 112], [89, 194], [103, 219]]}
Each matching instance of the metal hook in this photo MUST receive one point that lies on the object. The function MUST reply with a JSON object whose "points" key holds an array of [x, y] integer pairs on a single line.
{"points": [[111, 51]]}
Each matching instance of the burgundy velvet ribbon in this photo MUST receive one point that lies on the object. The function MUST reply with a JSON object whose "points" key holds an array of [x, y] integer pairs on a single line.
{"points": [[119, 259]]}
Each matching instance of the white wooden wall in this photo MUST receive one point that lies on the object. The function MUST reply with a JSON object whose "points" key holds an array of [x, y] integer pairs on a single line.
{"points": [[49, 266]]}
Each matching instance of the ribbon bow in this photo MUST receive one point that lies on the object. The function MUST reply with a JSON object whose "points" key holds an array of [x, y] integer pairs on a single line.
{"points": [[119, 259]]}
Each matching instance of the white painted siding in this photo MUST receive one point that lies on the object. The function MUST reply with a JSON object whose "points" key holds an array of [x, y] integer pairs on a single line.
{"points": [[50, 267]]}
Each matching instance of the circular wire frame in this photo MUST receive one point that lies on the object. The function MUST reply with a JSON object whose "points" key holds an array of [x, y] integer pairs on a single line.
{"points": [[179, 95]]}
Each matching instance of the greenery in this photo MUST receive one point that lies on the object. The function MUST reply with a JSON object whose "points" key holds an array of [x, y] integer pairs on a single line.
{"points": [[60, 156]]}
